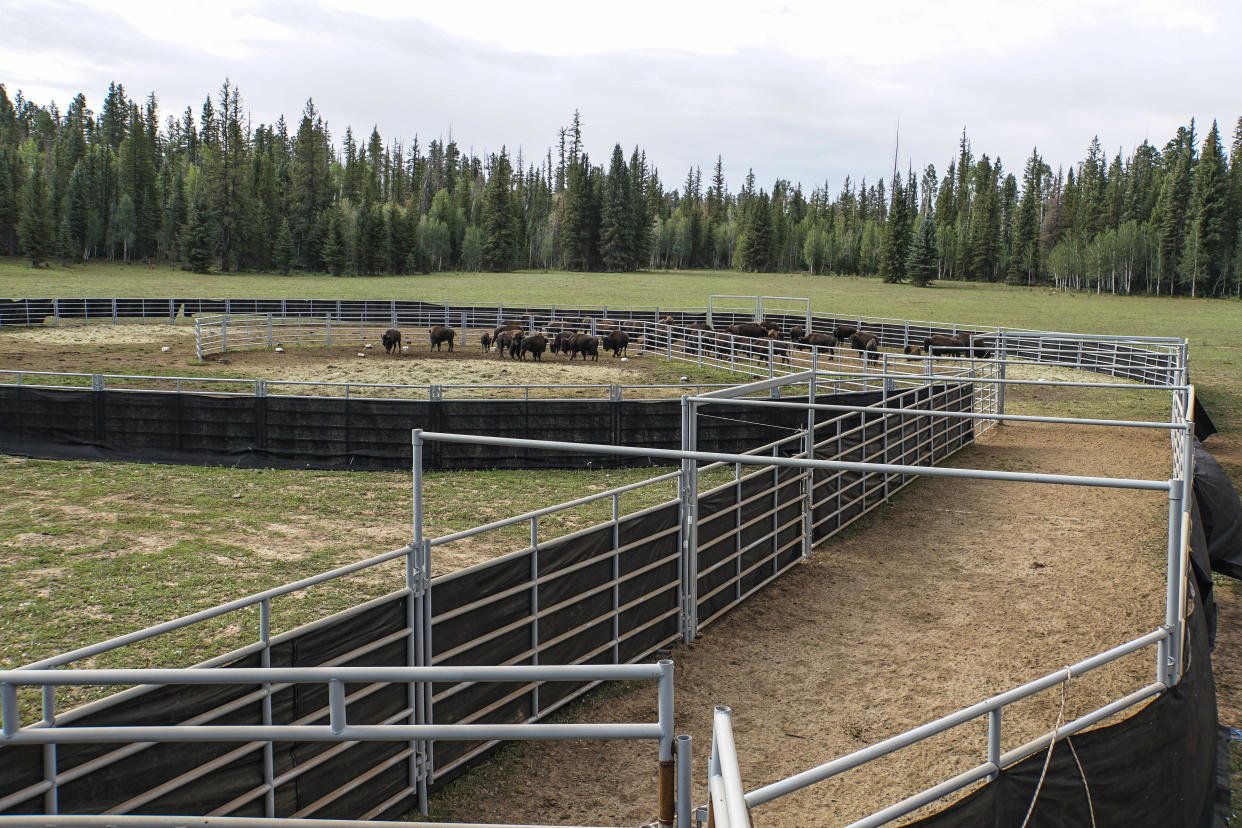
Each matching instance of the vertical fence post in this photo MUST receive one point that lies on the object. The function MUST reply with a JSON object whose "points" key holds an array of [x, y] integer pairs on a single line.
{"points": [[685, 750], [269, 330], [994, 740], [56, 312], [463, 327], [198, 338], [1000, 387], [417, 559], [327, 327], [51, 799], [114, 310], [269, 759], [688, 495], [1170, 654], [224, 334]]}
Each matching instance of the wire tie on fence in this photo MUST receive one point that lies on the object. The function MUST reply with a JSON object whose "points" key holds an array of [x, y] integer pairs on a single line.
{"points": [[1052, 744]]}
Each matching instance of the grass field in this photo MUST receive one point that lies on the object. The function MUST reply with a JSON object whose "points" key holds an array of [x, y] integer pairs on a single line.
{"points": [[52, 532]]}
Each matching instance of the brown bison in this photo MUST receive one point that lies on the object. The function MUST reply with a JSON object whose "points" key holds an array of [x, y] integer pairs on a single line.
{"points": [[754, 330], [796, 333], [844, 332], [504, 340], [913, 350], [535, 345], [439, 334], [486, 340], [392, 341], [943, 345], [616, 341], [866, 344], [819, 340], [510, 325], [585, 344], [560, 341]]}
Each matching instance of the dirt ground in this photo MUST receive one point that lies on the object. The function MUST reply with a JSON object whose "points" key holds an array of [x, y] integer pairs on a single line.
{"points": [[956, 591], [883, 630], [138, 347]]}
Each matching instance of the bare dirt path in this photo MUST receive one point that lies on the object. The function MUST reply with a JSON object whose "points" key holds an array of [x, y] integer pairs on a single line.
{"points": [[956, 592]]}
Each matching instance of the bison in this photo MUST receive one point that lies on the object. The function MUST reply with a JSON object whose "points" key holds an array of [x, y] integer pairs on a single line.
{"points": [[866, 344], [585, 344], [751, 329], [913, 350], [504, 340], [819, 340], [515, 344], [972, 345], [796, 333], [943, 345], [560, 342], [535, 344], [439, 334], [392, 341], [505, 326], [486, 340], [616, 341], [844, 332]]}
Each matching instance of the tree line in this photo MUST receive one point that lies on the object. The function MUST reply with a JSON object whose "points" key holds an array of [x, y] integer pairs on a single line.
{"points": [[212, 192]]}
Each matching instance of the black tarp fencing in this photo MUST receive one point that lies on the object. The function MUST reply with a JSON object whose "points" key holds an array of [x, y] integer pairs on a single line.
{"points": [[358, 433]]}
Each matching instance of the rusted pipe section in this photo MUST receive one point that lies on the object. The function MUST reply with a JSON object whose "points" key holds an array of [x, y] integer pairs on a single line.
{"points": [[666, 792]]}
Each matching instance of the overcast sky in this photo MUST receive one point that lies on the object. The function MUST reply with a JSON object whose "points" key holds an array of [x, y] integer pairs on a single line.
{"points": [[809, 91]]}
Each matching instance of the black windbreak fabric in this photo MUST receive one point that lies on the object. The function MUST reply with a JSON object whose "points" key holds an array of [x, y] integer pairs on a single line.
{"points": [[1221, 512], [363, 433]]}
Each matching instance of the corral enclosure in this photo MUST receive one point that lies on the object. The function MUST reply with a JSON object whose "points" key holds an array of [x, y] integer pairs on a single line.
{"points": [[769, 509]]}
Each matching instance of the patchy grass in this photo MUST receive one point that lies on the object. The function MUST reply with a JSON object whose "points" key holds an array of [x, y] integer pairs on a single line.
{"points": [[95, 550]]}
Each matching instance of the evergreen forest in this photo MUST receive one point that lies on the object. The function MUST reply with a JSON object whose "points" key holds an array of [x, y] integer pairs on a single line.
{"points": [[213, 192]]}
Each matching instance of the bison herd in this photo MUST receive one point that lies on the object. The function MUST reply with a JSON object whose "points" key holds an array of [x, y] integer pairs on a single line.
{"points": [[521, 338], [867, 343]]}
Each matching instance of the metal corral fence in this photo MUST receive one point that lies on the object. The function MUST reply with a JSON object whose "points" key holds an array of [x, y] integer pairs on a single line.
{"points": [[1145, 359], [614, 593]]}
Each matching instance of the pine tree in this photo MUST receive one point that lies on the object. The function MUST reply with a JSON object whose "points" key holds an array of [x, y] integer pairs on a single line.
{"points": [[1213, 234], [924, 259], [335, 253], [640, 230], [896, 240], [500, 218], [1025, 261], [282, 249], [755, 245], [8, 199], [983, 248], [199, 249], [616, 215], [34, 227]]}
